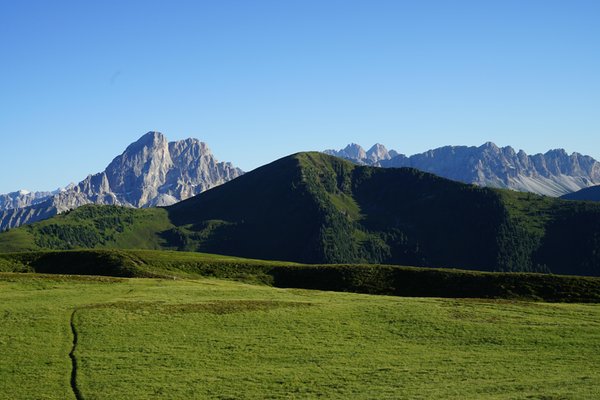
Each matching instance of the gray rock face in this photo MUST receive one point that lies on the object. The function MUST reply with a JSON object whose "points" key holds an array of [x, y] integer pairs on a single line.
{"points": [[150, 172], [22, 198], [357, 154], [554, 173], [352, 152]]}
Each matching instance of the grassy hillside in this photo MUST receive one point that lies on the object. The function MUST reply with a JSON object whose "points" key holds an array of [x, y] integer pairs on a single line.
{"points": [[370, 279], [314, 208], [212, 339], [92, 226]]}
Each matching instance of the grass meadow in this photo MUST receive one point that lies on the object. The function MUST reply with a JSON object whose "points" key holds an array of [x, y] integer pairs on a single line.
{"points": [[216, 339]]}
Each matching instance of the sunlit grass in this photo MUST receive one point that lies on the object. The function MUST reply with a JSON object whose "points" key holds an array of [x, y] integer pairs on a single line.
{"points": [[207, 338]]}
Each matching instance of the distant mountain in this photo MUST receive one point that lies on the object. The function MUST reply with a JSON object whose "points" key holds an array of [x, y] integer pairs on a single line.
{"points": [[150, 172], [357, 154], [553, 174], [587, 194], [314, 208], [23, 198]]}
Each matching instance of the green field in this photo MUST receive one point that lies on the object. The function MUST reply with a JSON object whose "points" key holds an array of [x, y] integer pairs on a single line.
{"points": [[209, 338]]}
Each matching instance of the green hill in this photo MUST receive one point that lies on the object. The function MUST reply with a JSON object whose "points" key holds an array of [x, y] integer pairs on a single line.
{"points": [[314, 208]]}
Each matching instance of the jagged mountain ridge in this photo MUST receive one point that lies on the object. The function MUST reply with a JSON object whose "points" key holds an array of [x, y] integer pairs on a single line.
{"points": [[358, 155], [554, 173], [150, 172], [23, 198]]}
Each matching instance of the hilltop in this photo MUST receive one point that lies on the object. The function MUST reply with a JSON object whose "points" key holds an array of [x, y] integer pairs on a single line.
{"points": [[315, 208]]}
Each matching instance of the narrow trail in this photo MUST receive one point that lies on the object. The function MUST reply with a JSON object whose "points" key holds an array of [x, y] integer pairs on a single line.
{"points": [[74, 387]]}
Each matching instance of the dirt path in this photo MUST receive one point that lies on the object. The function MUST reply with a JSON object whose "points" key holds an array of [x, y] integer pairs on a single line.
{"points": [[74, 387]]}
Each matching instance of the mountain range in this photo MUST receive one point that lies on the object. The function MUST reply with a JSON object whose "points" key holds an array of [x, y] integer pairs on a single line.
{"points": [[554, 173], [155, 172], [150, 172], [315, 208], [23, 198]]}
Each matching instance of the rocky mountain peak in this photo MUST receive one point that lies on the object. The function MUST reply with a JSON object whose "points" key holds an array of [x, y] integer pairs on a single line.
{"points": [[22, 198], [356, 151], [149, 140], [151, 136], [489, 146], [190, 146], [492, 150], [357, 154], [553, 173], [150, 172], [143, 165], [378, 152]]}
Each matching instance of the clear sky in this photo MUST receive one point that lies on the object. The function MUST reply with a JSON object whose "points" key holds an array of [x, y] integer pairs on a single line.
{"points": [[258, 80]]}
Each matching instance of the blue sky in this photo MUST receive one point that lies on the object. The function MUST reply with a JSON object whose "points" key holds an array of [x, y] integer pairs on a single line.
{"points": [[258, 80]]}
